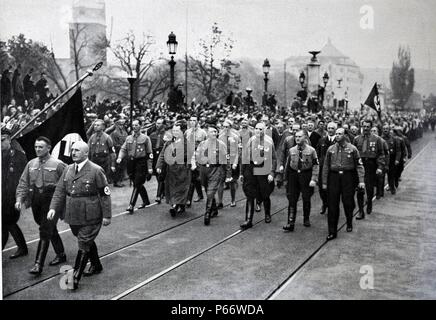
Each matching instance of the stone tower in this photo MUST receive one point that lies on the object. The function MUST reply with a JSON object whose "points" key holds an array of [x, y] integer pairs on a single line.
{"points": [[88, 28]]}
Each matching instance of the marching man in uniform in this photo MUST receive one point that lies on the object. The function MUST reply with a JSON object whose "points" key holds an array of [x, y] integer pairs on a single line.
{"points": [[302, 174], [84, 193], [342, 165], [37, 184], [138, 149], [257, 172]]}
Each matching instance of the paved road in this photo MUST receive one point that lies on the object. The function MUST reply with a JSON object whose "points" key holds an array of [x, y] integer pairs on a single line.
{"points": [[150, 255]]}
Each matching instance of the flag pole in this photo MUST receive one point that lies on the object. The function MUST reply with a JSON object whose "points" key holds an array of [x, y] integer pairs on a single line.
{"points": [[88, 73]]}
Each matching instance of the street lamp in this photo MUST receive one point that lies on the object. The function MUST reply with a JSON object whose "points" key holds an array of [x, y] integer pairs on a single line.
{"points": [[266, 67], [313, 72], [132, 79], [346, 100], [302, 79], [172, 49], [325, 79]]}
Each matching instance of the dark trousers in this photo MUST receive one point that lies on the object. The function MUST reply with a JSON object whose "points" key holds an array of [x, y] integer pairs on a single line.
{"points": [[298, 182], [47, 228], [16, 233], [392, 173], [322, 192], [370, 166], [195, 185], [399, 170], [105, 163], [380, 191], [340, 186], [118, 175]]}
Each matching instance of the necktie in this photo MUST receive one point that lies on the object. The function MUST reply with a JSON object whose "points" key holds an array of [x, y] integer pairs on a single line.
{"points": [[77, 169], [300, 156]]}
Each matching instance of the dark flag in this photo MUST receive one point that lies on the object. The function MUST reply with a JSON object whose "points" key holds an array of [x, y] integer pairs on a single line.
{"points": [[373, 100], [68, 119]]}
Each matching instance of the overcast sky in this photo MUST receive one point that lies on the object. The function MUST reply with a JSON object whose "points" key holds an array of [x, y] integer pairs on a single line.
{"points": [[261, 28]]}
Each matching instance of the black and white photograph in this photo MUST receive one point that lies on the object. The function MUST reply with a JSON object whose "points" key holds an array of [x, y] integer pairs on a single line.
{"points": [[225, 152]]}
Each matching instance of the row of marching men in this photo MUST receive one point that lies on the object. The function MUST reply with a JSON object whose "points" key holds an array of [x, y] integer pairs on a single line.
{"points": [[79, 194]]}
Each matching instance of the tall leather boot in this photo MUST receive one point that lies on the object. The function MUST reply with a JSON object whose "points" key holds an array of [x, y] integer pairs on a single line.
{"points": [[249, 213], [214, 209], [306, 213], [58, 247], [160, 191], [81, 261], [208, 212], [132, 201], [291, 219], [369, 206], [95, 266], [18, 236], [41, 253], [361, 214], [233, 194], [144, 196], [267, 206]]}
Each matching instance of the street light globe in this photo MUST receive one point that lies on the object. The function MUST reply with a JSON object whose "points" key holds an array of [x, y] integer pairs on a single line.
{"points": [[302, 78], [266, 66], [172, 43], [325, 78]]}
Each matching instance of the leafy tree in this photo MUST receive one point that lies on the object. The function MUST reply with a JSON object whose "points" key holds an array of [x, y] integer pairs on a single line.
{"points": [[212, 72], [36, 55], [402, 77], [135, 58]]}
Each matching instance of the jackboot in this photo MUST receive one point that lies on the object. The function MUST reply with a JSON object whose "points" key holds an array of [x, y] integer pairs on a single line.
{"points": [[215, 207], [41, 253], [208, 212], [291, 219], [306, 214], [132, 201], [361, 214], [144, 196], [249, 213], [95, 267], [18, 236], [81, 261], [267, 206], [58, 247]]}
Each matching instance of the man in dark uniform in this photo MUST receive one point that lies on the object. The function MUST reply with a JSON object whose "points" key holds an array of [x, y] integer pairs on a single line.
{"points": [[380, 190], [323, 144], [37, 185], [371, 152], [231, 138], [138, 150], [406, 153], [101, 149], [394, 145], [312, 134], [119, 136], [13, 164], [156, 137], [211, 157], [194, 136], [342, 165], [84, 193], [302, 174], [258, 166]]}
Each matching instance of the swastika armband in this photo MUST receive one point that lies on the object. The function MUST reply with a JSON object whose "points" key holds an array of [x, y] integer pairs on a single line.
{"points": [[105, 191]]}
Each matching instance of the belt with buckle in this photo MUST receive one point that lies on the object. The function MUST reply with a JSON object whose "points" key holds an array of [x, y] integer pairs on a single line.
{"points": [[81, 195], [41, 190]]}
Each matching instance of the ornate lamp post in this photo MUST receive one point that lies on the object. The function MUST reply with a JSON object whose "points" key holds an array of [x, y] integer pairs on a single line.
{"points": [[302, 79], [172, 49], [266, 66], [132, 79]]}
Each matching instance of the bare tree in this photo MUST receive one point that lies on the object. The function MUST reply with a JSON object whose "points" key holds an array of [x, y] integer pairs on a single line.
{"points": [[78, 42]]}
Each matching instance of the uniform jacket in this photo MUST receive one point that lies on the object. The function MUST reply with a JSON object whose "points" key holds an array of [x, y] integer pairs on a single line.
{"points": [[13, 164], [39, 174], [137, 146], [260, 152], [374, 149], [82, 198], [394, 145], [309, 160], [343, 158], [119, 136], [231, 139], [323, 145], [314, 138], [101, 146]]}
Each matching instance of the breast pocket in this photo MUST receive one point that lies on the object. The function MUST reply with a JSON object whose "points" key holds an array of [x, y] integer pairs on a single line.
{"points": [[33, 174], [50, 175], [294, 157]]}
